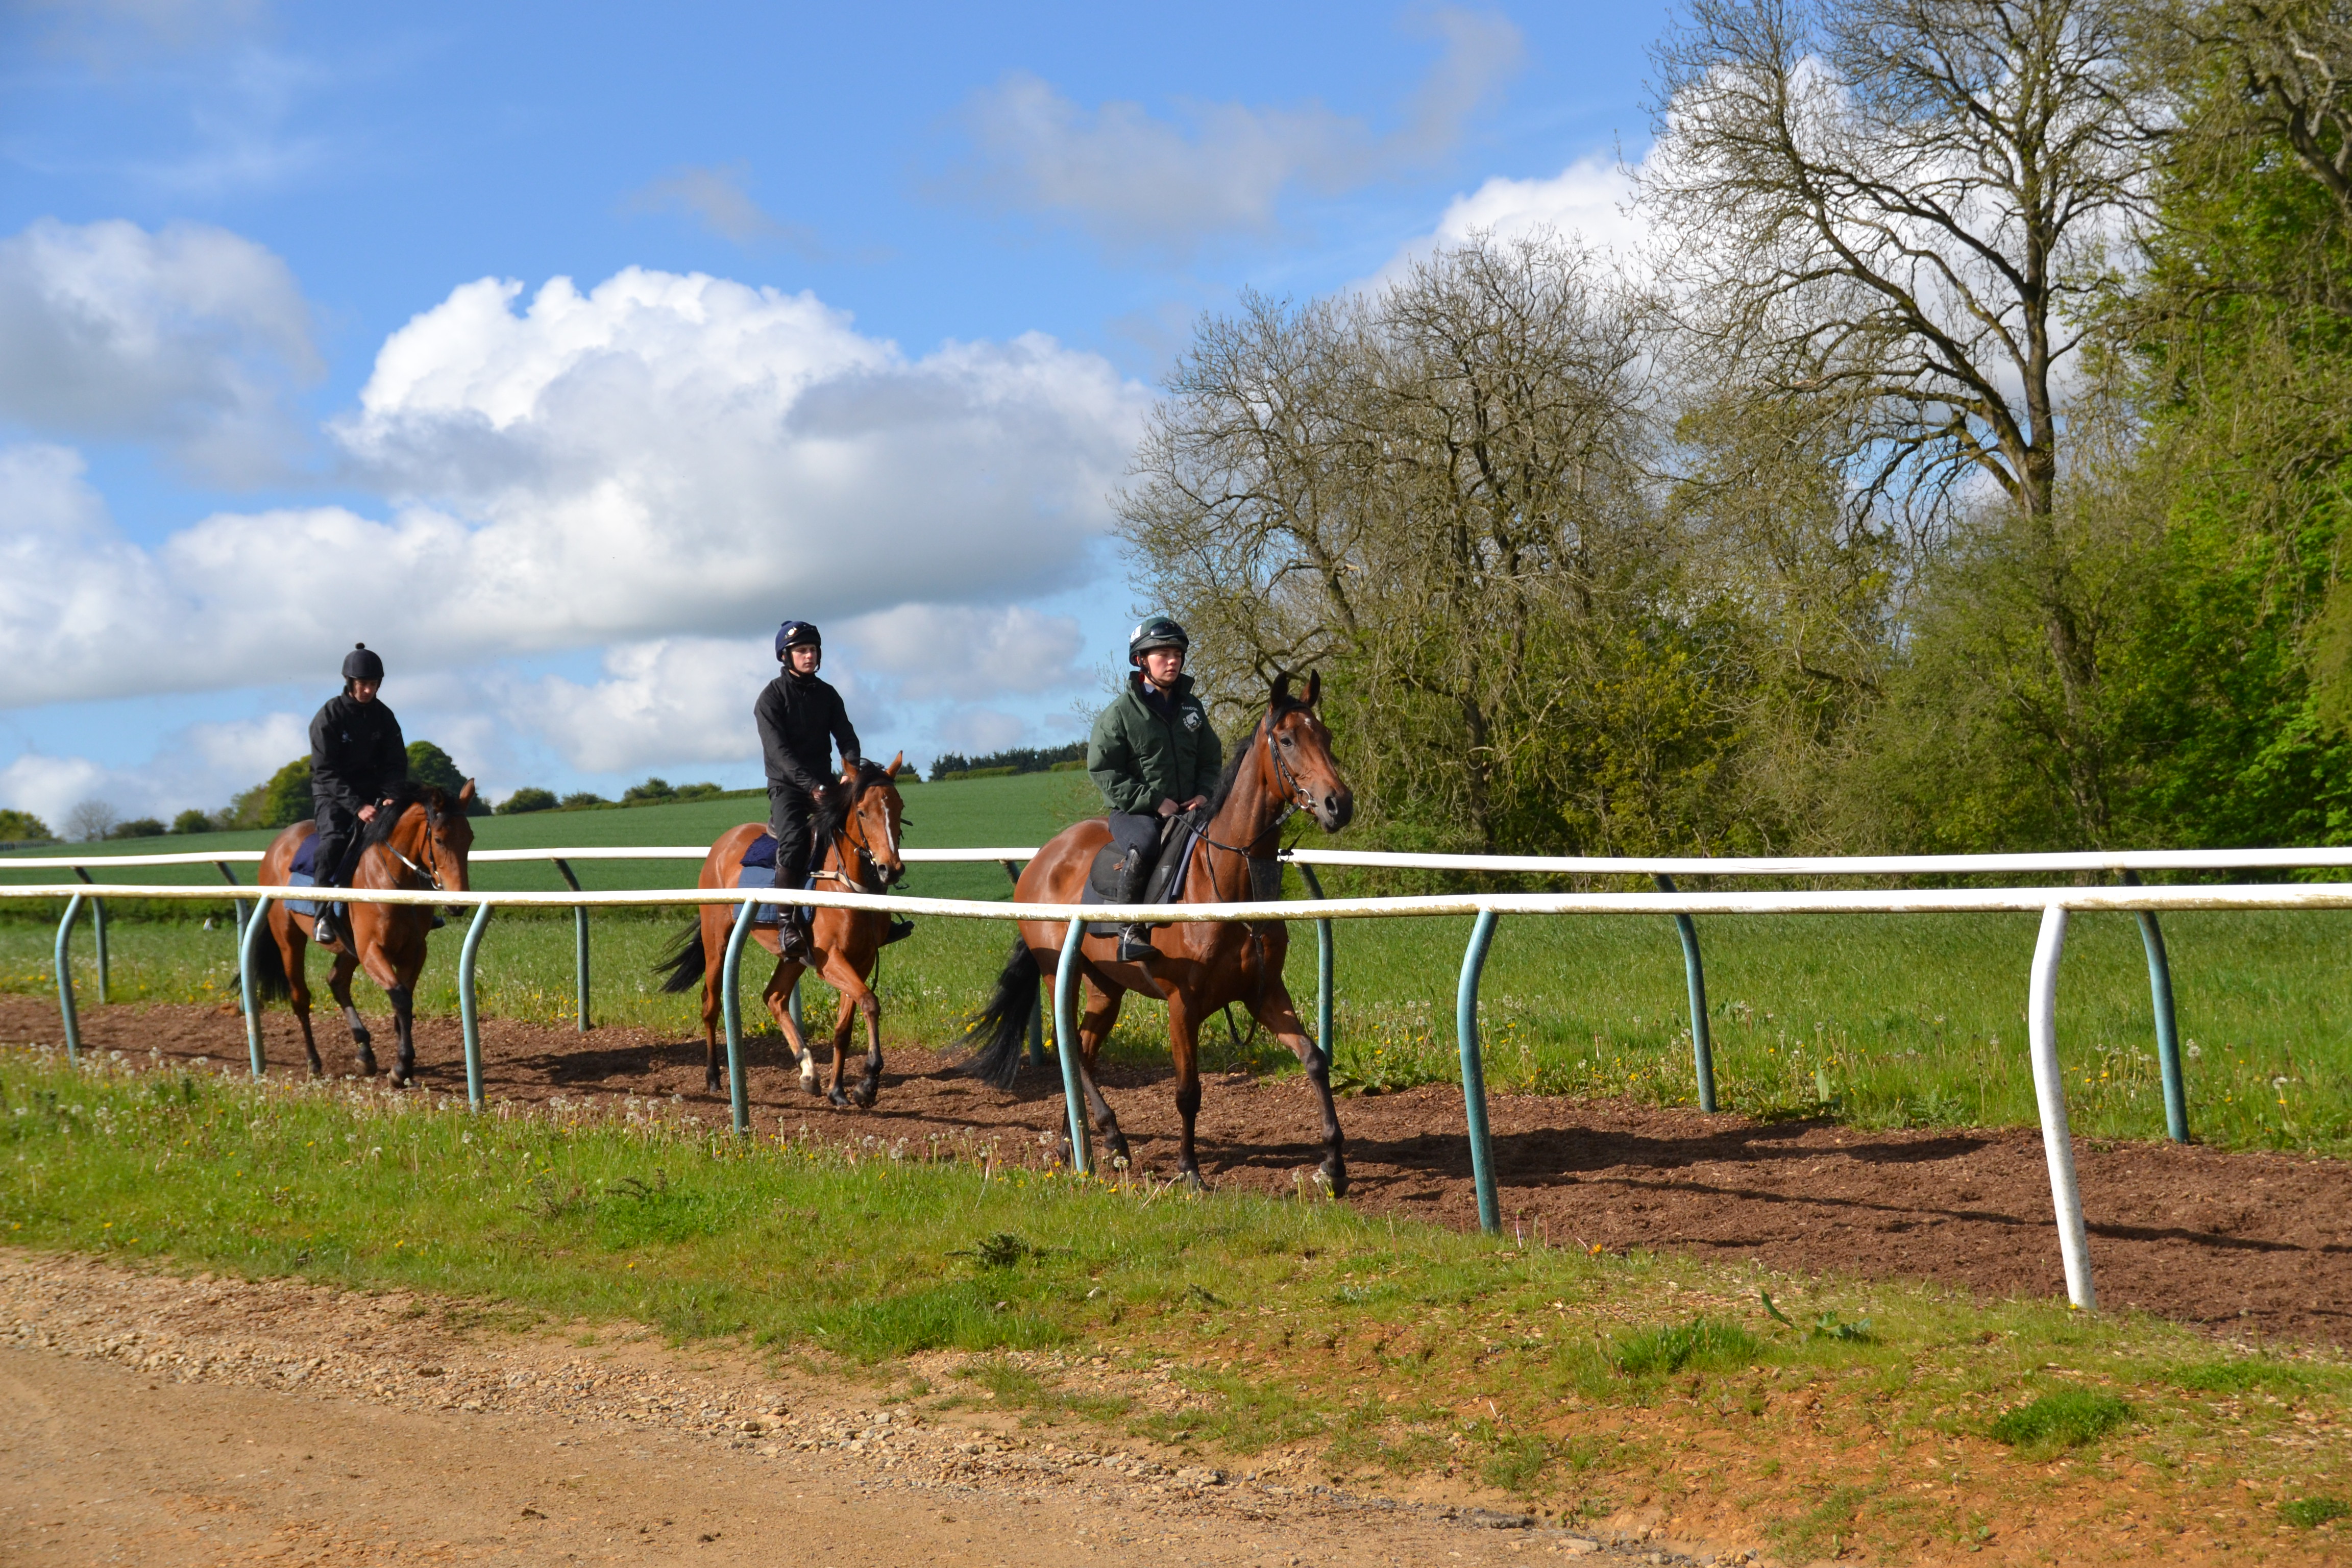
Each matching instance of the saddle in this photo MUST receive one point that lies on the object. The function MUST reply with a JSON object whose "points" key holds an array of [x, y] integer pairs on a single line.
{"points": [[1178, 835], [758, 870], [302, 872]]}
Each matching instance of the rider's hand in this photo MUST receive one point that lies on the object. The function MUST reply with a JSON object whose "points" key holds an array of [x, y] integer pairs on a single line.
{"points": [[1195, 804], [1169, 808], [367, 812]]}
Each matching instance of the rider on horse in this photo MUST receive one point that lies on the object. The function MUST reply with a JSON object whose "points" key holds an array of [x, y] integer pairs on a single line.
{"points": [[1154, 754], [356, 757], [801, 718]]}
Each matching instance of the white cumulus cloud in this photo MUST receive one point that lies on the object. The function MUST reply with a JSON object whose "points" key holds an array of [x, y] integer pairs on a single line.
{"points": [[659, 456], [669, 701], [190, 336], [1590, 201], [961, 651]]}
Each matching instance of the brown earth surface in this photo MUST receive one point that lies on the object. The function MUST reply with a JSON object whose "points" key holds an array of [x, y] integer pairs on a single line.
{"points": [[2241, 1244], [159, 1421]]}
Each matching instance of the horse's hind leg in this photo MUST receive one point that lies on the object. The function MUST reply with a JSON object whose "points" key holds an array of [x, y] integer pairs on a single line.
{"points": [[1275, 1011], [714, 966], [1101, 1015], [1185, 1044], [339, 981]]}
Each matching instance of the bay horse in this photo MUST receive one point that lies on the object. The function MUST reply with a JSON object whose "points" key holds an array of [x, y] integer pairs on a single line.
{"points": [[419, 839], [856, 829], [1196, 967]]}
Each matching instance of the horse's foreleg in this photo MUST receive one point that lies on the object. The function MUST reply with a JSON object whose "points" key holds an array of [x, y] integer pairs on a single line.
{"points": [[1094, 1025], [1184, 1045], [293, 952], [403, 1024], [857, 1001], [778, 998], [339, 981], [1275, 1012]]}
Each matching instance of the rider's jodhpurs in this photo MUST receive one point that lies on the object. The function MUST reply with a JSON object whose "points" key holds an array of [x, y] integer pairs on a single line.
{"points": [[790, 813], [337, 829]]}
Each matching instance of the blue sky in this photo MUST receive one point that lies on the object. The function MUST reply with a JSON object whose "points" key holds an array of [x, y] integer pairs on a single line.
{"points": [[561, 352]]}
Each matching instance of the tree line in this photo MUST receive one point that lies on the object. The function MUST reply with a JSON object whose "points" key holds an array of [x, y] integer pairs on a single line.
{"points": [[1961, 467]]}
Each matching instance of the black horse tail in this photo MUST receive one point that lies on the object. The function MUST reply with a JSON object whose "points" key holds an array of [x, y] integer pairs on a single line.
{"points": [[269, 982], [682, 968], [999, 1033]]}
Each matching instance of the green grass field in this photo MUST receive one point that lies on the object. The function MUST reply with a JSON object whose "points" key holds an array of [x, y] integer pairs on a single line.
{"points": [[1883, 1019], [1386, 1348]]}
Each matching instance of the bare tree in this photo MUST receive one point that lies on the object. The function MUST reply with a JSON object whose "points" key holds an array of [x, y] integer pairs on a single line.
{"points": [[91, 820], [1443, 491], [1906, 208], [2290, 69]]}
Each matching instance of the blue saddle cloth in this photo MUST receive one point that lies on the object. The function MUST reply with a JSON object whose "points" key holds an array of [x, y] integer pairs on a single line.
{"points": [[301, 872], [758, 870]]}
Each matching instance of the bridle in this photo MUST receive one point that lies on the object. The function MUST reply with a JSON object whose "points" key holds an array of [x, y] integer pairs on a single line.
{"points": [[865, 859], [1294, 796], [431, 871]]}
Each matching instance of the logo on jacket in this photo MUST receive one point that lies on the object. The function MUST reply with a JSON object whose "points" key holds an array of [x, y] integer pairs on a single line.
{"points": [[1191, 717]]}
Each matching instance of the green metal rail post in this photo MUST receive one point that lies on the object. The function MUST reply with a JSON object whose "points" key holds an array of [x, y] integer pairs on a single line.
{"points": [[470, 1013], [65, 981], [1065, 1042], [579, 941], [1474, 1075], [97, 929], [1694, 980], [730, 1007], [2168, 1031], [256, 928]]}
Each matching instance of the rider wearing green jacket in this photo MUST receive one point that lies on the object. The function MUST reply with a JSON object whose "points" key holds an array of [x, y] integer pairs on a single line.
{"points": [[1153, 753]]}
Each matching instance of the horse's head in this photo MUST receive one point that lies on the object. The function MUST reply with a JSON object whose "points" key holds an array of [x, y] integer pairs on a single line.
{"points": [[1298, 752], [432, 835], [875, 816]]}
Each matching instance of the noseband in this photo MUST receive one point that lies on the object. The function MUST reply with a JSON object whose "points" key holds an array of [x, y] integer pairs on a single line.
{"points": [[866, 860]]}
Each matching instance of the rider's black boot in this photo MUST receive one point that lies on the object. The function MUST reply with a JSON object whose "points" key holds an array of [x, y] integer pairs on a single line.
{"points": [[1135, 938], [899, 932], [792, 936]]}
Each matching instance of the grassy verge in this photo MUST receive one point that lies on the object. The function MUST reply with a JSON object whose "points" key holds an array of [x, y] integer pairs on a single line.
{"points": [[1843, 1416]]}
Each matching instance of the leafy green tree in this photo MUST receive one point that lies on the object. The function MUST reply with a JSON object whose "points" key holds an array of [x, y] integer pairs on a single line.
{"points": [[527, 799], [23, 826], [286, 799], [428, 764], [193, 821]]}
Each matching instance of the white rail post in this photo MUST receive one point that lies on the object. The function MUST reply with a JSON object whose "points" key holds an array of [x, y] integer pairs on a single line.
{"points": [[2050, 1093]]}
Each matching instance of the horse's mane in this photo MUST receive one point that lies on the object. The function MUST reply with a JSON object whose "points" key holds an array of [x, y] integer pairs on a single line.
{"points": [[834, 806], [402, 796], [1233, 771]]}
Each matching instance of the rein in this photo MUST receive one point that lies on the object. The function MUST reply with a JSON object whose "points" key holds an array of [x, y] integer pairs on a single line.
{"points": [[1291, 803]]}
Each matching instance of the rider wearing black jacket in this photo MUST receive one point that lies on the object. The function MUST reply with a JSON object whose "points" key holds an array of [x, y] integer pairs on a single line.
{"points": [[801, 720], [356, 757]]}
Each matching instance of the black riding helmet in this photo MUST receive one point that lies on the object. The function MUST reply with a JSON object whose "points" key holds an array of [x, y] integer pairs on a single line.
{"points": [[1155, 631], [797, 634], [361, 664]]}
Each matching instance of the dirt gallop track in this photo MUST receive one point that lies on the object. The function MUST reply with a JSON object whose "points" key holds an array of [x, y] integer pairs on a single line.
{"points": [[2241, 1244]]}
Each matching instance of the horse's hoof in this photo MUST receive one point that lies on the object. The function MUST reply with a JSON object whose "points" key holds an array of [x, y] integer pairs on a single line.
{"points": [[1332, 1179], [864, 1095], [812, 1086], [1189, 1180], [367, 1065], [1119, 1151], [838, 1099]]}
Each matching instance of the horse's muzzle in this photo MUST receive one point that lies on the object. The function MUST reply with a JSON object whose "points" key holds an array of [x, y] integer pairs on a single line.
{"points": [[1336, 809]]}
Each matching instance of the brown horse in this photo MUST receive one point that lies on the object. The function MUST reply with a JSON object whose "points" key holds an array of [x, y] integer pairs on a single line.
{"points": [[419, 839], [1197, 967], [857, 830]]}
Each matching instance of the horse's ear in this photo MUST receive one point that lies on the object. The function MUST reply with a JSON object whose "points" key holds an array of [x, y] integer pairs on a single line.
{"points": [[1281, 689], [1314, 686], [465, 795], [896, 764]]}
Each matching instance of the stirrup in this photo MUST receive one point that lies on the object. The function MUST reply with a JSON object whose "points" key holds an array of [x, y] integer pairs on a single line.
{"points": [[1135, 945], [791, 938]]}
